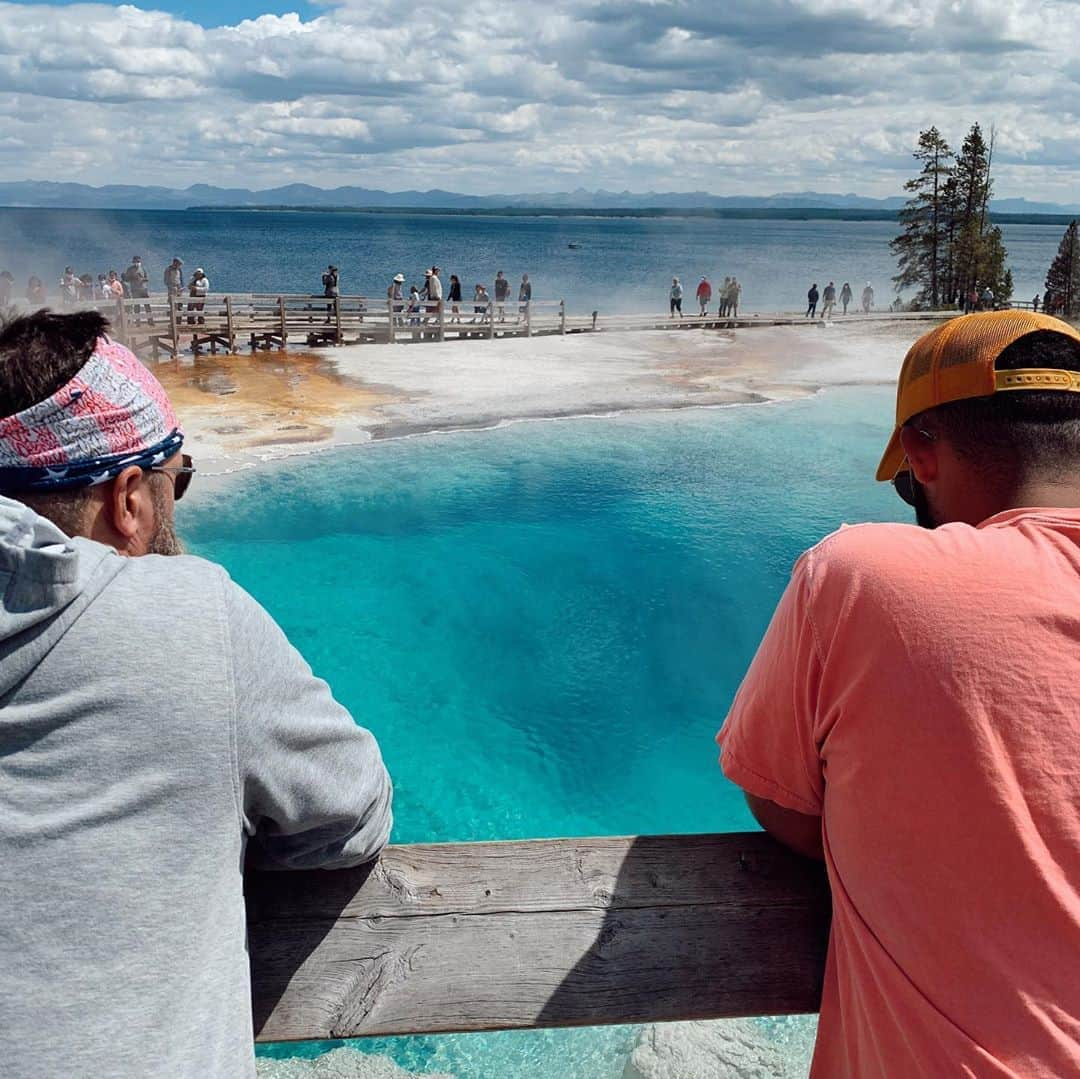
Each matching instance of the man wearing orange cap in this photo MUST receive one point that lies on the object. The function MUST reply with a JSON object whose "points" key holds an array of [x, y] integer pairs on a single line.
{"points": [[913, 718]]}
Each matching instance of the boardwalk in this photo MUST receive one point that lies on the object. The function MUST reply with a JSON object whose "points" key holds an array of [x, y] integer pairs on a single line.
{"points": [[160, 326]]}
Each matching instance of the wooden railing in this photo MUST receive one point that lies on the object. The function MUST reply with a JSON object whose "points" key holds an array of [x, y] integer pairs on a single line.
{"points": [[162, 324], [566, 932]]}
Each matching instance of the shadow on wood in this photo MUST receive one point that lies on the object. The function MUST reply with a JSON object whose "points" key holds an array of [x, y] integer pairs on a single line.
{"points": [[488, 936], [282, 955]]}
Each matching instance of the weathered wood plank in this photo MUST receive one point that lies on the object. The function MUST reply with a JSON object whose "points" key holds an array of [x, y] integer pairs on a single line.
{"points": [[543, 933]]}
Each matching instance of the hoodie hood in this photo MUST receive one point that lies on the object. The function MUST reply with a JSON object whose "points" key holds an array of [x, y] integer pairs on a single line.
{"points": [[46, 581]]}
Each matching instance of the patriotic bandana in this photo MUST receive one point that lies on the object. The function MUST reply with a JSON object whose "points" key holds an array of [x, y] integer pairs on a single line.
{"points": [[111, 415]]}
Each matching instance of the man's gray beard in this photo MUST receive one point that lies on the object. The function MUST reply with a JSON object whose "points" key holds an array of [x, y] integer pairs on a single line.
{"points": [[164, 540]]}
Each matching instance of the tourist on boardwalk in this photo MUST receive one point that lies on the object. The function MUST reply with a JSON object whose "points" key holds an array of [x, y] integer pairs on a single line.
{"points": [[7, 283], [331, 288], [867, 298], [158, 729], [455, 298], [86, 286], [35, 292], [481, 302], [734, 291], [331, 282], [414, 305], [723, 297], [104, 292], [1035, 302], [198, 289], [395, 296], [986, 299], [828, 300], [174, 278], [502, 294], [811, 301], [704, 297], [845, 296], [136, 280], [69, 287], [524, 297], [115, 286], [434, 291], [914, 720], [675, 298]]}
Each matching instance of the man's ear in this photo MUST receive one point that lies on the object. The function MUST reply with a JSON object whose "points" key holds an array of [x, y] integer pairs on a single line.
{"points": [[921, 452], [129, 506]]}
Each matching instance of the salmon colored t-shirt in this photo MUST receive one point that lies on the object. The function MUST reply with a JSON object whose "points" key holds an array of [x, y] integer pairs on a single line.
{"points": [[920, 691]]}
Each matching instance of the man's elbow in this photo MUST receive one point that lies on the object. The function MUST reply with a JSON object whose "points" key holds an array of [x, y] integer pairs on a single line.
{"points": [[372, 834], [799, 831]]}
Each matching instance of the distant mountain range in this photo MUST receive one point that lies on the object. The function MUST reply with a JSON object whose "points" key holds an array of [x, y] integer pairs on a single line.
{"points": [[45, 193]]}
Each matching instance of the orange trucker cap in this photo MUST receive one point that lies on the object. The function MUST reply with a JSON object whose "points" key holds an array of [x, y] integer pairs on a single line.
{"points": [[956, 361]]}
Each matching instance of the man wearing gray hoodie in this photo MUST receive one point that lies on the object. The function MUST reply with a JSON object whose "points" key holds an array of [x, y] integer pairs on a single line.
{"points": [[156, 728]]}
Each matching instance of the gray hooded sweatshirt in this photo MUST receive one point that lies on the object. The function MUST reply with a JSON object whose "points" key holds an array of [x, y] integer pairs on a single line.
{"points": [[152, 718]]}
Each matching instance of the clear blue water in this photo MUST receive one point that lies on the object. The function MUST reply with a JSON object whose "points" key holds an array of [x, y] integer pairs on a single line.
{"points": [[623, 264], [544, 624]]}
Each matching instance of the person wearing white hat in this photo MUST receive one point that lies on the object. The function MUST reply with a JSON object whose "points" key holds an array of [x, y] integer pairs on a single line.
{"points": [[198, 287], [394, 295]]}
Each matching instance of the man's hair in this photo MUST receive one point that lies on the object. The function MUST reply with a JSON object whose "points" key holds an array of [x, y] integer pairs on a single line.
{"points": [[1018, 434], [39, 353]]}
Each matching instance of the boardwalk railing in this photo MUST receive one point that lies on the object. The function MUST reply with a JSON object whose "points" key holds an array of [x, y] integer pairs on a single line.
{"points": [[164, 325], [158, 325], [568, 932]]}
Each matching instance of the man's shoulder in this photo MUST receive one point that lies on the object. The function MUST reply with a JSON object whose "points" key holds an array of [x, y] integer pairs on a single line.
{"points": [[889, 550], [175, 582], [907, 563]]}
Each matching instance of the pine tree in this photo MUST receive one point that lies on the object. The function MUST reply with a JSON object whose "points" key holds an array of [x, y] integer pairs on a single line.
{"points": [[1063, 277], [977, 253], [922, 246]]}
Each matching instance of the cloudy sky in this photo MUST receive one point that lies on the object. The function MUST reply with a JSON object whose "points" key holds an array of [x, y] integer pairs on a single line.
{"points": [[731, 97]]}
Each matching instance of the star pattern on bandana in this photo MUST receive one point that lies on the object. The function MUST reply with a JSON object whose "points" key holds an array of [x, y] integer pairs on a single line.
{"points": [[111, 414]]}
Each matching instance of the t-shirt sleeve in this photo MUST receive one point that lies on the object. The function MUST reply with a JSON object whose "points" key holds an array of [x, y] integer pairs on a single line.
{"points": [[313, 789], [768, 744]]}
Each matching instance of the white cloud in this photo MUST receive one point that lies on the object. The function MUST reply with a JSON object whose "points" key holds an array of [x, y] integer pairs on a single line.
{"points": [[507, 96]]}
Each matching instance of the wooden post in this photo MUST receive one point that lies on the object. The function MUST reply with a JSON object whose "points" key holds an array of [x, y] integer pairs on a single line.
{"points": [[528, 318], [562, 316], [121, 323], [491, 320], [229, 324], [393, 325], [337, 320], [442, 320], [174, 327], [281, 318]]}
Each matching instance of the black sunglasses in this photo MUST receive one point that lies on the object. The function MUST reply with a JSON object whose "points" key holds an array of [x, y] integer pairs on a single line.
{"points": [[181, 475], [904, 483]]}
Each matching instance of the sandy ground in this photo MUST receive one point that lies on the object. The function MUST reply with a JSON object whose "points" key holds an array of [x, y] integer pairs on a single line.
{"points": [[240, 410]]}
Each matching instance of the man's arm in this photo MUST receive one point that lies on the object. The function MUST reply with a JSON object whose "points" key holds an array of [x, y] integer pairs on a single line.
{"points": [[313, 790], [799, 831], [768, 740]]}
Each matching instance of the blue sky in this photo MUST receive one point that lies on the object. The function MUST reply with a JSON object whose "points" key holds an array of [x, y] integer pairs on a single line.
{"points": [[210, 14], [745, 97]]}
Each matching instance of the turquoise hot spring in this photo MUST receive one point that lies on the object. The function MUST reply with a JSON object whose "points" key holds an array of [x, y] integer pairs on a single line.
{"points": [[544, 623]]}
